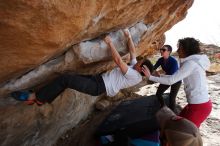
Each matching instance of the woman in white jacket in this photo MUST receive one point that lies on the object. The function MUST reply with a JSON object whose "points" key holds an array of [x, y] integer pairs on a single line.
{"points": [[192, 72]]}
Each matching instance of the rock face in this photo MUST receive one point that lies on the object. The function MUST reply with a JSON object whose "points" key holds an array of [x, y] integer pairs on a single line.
{"points": [[213, 52], [40, 38], [37, 31], [24, 125]]}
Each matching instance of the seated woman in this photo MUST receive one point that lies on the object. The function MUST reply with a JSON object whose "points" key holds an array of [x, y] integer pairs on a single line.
{"points": [[192, 71], [122, 76], [176, 130]]}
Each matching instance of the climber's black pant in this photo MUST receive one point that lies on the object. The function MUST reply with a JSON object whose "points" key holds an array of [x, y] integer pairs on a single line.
{"points": [[173, 93], [89, 84]]}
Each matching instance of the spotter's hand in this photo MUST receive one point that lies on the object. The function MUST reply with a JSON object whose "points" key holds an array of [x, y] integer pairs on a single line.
{"points": [[146, 71]]}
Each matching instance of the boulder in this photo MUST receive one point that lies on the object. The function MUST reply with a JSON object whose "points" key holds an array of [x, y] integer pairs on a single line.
{"points": [[40, 39]]}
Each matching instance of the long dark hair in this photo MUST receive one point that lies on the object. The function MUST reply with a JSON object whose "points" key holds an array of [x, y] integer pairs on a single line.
{"points": [[190, 46]]}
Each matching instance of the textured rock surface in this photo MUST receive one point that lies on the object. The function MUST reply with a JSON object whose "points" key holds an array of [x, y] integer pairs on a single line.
{"points": [[41, 38], [33, 32], [213, 52], [85, 51], [32, 125]]}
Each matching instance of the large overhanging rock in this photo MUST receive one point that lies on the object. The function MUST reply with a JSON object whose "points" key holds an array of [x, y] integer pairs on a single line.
{"points": [[33, 32], [39, 38], [90, 51]]}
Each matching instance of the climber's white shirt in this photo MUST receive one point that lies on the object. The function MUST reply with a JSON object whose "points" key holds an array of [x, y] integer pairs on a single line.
{"points": [[115, 80], [192, 72]]}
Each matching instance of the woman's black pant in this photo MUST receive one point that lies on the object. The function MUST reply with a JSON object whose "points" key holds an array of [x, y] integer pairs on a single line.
{"points": [[173, 93], [89, 84]]}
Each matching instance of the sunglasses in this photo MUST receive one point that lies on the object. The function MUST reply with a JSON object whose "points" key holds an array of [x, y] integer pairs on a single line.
{"points": [[162, 49]]}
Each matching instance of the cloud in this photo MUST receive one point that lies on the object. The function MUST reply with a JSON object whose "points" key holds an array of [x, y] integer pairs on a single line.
{"points": [[202, 22]]}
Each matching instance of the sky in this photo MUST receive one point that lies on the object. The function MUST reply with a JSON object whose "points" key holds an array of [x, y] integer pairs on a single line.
{"points": [[202, 22]]}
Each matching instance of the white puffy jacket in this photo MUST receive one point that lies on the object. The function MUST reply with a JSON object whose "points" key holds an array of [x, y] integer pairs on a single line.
{"points": [[192, 72]]}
